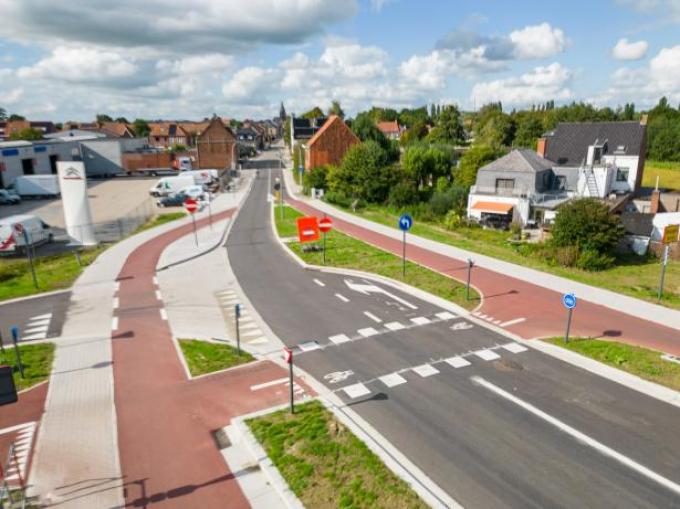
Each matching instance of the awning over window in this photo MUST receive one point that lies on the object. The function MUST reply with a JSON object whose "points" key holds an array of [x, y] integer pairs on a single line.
{"points": [[493, 207]]}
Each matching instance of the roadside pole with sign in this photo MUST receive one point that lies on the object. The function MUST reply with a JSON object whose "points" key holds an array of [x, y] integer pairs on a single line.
{"points": [[15, 339], [569, 301], [470, 264], [670, 235], [237, 315], [405, 224], [325, 225], [288, 357], [19, 228], [279, 194], [190, 205]]}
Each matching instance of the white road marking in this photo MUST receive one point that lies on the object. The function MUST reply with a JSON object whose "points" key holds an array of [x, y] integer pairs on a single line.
{"points": [[41, 317], [579, 436], [513, 322], [392, 380], [461, 326], [15, 428], [268, 384], [229, 301], [158, 295], [487, 355], [420, 320], [35, 323], [457, 362], [33, 330], [247, 326], [339, 338], [496, 322], [258, 341], [244, 319], [515, 348], [425, 370], [116, 303], [395, 326], [320, 283], [372, 317], [367, 332], [368, 289], [164, 314], [309, 346], [445, 315], [251, 333], [40, 335], [356, 390], [338, 376], [342, 297]]}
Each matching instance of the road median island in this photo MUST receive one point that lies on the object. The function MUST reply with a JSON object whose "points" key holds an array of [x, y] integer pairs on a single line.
{"points": [[36, 360], [642, 362], [343, 251], [325, 465], [205, 357]]}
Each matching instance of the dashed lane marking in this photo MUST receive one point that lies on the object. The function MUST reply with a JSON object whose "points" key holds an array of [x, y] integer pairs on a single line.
{"points": [[342, 297], [339, 339], [372, 317], [264, 385], [425, 370], [395, 326], [356, 390], [46, 316], [515, 348], [309, 346], [43, 321], [457, 362], [392, 380], [368, 332], [512, 322], [33, 330], [421, 320], [487, 355], [445, 315], [320, 283]]}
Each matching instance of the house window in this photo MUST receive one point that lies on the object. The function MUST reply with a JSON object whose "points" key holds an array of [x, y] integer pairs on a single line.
{"points": [[505, 184], [560, 183], [622, 174]]}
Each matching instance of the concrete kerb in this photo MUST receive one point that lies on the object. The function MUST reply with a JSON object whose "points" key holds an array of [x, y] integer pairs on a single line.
{"points": [[34, 296]]}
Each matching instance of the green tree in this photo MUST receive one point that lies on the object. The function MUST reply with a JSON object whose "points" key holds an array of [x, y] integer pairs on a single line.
{"points": [[588, 225], [3, 114], [315, 178], [122, 120], [336, 109], [286, 132], [141, 127], [449, 128], [495, 129], [414, 134], [29, 134], [14, 117], [409, 117], [103, 117], [528, 131], [423, 164], [471, 162], [366, 129], [315, 112]]}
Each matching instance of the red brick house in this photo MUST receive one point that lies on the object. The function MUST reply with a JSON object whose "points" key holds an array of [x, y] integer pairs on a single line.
{"points": [[166, 134], [217, 147], [391, 130], [329, 144]]}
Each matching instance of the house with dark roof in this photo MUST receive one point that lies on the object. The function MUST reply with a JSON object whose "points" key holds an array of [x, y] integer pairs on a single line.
{"points": [[329, 144], [601, 160]]}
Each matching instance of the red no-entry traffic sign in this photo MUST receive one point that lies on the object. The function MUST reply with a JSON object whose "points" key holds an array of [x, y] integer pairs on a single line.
{"points": [[325, 224], [308, 229], [190, 205], [287, 355]]}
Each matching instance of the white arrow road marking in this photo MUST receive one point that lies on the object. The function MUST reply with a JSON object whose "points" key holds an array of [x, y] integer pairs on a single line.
{"points": [[579, 436], [461, 326], [368, 289]]}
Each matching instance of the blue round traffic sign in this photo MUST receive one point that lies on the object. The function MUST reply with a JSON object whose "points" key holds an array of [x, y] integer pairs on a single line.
{"points": [[569, 300], [405, 222]]}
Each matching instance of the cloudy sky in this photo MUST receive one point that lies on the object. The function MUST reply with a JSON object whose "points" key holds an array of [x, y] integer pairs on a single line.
{"points": [[240, 58]]}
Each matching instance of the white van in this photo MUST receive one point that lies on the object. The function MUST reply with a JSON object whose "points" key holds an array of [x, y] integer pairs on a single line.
{"points": [[12, 238], [201, 176], [170, 185]]}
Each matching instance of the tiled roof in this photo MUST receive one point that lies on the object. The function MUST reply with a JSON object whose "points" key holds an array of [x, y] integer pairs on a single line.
{"points": [[523, 160], [389, 127], [331, 120]]}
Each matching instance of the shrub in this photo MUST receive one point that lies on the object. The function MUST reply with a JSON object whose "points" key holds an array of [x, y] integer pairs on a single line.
{"points": [[594, 261], [315, 178], [566, 256], [453, 220], [587, 224], [403, 193]]}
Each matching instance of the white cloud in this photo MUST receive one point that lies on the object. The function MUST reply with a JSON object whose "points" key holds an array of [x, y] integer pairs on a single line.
{"points": [[539, 85], [250, 85], [668, 9], [625, 50], [378, 5], [197, 64], [12, 96], [538, 41]]}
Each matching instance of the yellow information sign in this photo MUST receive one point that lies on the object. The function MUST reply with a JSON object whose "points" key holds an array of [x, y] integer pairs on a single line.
{"points": [[670, 233]]}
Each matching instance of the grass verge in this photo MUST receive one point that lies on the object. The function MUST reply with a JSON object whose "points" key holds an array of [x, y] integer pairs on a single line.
{"points": [[668, 173], [638, 361], [36, 359], [159, 220], [204, 357], [346, 252], [325, 465], [633, 275]]}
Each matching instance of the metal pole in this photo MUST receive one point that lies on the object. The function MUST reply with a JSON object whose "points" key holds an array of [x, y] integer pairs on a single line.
{"points": [[30, 258], [292, 401], [15, 340], [193, 220], [237, 314], [80, 262], [663, 271], [469, 276], [566, 335], [324, 248], [403, 255]]}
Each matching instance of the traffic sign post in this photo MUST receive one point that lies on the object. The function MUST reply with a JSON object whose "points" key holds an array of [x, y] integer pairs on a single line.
{"points": [[569, 301], [15, 339], [279, 189], [325, 225], [190, 205], [405, 224], [237, 315], [288, 357], [670, 235], [471, 264], [664, 262]]}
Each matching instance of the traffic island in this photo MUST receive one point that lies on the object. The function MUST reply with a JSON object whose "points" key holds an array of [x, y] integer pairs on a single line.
{"points": [[203, 357], [345, 252], [642, 362], [36, 360], [324, 464]]}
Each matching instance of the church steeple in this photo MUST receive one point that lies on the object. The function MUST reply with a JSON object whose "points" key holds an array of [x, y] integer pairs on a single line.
{"points": [[282, 113]]}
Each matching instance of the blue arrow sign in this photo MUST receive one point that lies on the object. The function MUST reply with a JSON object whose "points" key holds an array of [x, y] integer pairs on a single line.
{"points": [[405, 222], [569, 300], [15, 333]]}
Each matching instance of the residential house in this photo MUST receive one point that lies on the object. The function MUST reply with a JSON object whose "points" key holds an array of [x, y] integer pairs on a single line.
{"points": [[167, 134], [249, 138], [108, 129], [602, 160], [302, 129], [194, 130], [329, 144], [391, 130], [217, 147], [10, 127]]}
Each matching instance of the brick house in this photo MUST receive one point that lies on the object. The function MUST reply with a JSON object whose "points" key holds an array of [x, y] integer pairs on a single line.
{"points": [[217, 148], [7, 129], [329, 144], [166, 134], [391, 130]]}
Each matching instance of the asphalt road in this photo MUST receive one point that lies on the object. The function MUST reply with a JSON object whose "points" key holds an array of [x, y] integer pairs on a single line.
{"points": [[37, 318], [492, 423]]}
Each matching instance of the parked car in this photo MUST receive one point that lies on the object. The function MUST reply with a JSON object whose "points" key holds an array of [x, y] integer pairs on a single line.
{"points": [[196, 192], [7, 198], [177, 199], [12, 238]]}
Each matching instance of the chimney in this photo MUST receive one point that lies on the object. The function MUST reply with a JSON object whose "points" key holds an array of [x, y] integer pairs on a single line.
{"points": [[654, 202], [542, 146], [643, 119]]}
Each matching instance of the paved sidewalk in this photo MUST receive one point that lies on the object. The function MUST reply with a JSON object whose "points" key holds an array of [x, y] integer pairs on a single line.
{"points": [[527, 302]]}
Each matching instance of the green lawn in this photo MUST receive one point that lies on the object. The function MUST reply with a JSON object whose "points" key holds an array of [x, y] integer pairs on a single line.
{"points": [[325, 465], [346, 252], [204, 357], [668, 173], [159, 220], [633, 275], [36, 359], [642, 362]]}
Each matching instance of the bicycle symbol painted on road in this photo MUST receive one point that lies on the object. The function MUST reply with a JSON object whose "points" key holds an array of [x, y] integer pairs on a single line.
{"points": [[461, 326], [338, 376]]}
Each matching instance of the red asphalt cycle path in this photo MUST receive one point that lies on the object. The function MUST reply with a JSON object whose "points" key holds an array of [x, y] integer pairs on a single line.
{"points": [[168, 456], [507, 298]]}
